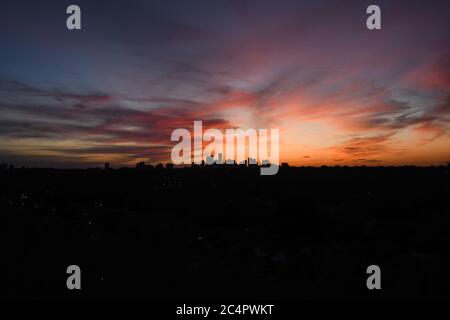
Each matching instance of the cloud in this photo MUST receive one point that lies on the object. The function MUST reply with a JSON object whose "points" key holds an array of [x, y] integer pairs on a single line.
{"points": [[119, 89], [102, 126], [12, 87], [359, 147]]}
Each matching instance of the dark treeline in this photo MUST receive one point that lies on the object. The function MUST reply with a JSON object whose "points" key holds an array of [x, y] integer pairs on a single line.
{"points": [[217, 232]]}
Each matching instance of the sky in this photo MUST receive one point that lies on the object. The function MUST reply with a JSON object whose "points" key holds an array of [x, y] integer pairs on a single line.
{"points": [[114, 91]]}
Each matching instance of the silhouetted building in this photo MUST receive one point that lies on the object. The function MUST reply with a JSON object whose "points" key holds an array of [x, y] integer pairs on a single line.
{"points": [[106, 165], [169, 165], [209, 160], [285, 164], [140, 165], [159, 166]]}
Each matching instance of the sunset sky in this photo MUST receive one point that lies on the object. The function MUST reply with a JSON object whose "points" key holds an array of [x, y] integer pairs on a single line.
{"points": [[115, 90]]}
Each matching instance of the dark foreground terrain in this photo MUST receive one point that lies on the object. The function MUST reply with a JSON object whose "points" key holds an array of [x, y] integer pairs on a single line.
{"points": [[226, 232]]}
